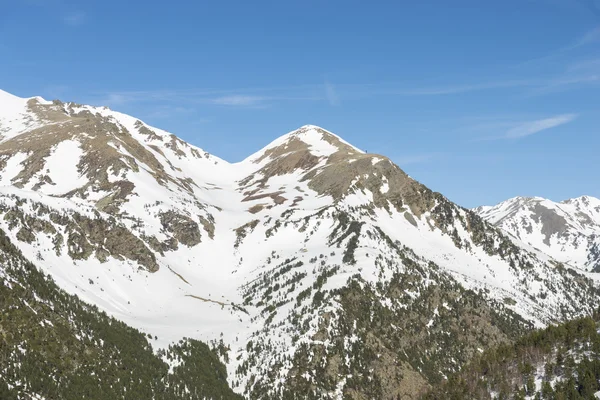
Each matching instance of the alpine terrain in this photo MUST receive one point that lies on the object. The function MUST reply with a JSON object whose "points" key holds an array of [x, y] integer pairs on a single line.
{"points": [[310, 270], [568, 231], [560, 362]]}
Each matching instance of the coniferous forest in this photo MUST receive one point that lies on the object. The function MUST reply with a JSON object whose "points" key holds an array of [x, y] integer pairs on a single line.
{"points": [[559, 362]]}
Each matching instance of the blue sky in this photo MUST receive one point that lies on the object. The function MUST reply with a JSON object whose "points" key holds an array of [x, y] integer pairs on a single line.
{"points": [[479, 100]]}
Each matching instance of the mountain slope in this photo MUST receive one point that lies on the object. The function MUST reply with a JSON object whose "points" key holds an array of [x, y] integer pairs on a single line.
{"points": [[568, 231], [52, 345], [559, 362], [325, 271]]}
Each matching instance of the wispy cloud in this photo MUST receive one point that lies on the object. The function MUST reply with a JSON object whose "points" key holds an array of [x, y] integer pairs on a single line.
{"points": [[456, 89], [415, 158], [153, 96], [573, 77], [568, 81], [327, 91], [239, 100], [592, 65], [76, 18], [505, 127], [167, 111], [248, 97], [590, 37], [117, 99], [533, 127], [52, 92], [331, 94]]}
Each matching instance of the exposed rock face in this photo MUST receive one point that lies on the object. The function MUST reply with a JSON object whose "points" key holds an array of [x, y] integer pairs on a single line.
{"points": [[183, 228], [82, 236], [337, 170]]}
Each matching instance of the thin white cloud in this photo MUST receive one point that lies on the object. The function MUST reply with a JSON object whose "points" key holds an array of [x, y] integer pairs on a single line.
{"points": [[331, 94], [415, 158], [239, 100], [250, 97], [52, 92], [567, 82], [589, 37], [456, 89], [167, 112], [259, 97], [591, 65], [75, 18], [311, 92], [533, 127], [117, 99]]}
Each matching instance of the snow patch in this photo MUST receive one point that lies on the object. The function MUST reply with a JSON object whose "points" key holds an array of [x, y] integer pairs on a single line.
{"points": [[61, 167]]}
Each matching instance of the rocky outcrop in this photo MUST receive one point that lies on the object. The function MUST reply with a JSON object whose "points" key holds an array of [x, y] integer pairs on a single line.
{"points": [[183, 228], [82, 236]]}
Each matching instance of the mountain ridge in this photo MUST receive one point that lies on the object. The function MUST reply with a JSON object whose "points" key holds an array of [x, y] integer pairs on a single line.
{"points": [[326, 271], [568, 230]]}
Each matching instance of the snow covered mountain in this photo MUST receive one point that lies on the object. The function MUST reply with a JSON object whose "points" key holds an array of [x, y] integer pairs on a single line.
{"points": [[319, 270], [568, 231]]}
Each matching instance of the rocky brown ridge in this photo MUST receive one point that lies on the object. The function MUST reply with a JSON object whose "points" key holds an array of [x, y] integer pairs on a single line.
{"points": [[109, 153], [345, 171], [103, 141]]}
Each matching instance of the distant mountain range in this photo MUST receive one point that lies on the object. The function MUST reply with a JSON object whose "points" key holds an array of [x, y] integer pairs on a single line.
{"points": [[312, 269], [568, 231]]}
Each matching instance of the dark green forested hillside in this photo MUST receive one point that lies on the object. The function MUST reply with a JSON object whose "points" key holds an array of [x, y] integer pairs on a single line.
{"points": [[559, 362], [54, 346]]}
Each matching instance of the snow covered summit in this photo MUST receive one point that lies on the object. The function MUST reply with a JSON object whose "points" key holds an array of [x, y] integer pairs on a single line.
{"points": [[318, 141]]}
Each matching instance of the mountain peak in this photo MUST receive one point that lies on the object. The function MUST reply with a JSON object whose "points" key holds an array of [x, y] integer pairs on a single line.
{"points": [[331, 167], [8, 98], [5, 95], [18, 114], [584, 200], [11, 104], [524, 199], [313, 139]]}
